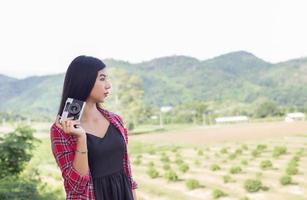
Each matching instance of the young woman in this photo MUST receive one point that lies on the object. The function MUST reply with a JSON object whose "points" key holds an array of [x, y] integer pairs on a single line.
{"points": [[92, 155]]}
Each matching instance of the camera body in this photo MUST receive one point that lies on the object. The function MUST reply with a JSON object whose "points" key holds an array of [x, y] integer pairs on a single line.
{"points": [[73, 108]]}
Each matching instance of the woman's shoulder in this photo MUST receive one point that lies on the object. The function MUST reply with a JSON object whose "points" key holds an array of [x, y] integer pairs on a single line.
{"points": [[112, 115], [118, 118]]}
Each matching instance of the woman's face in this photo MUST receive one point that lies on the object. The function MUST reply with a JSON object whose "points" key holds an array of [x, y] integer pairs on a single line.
{"points": [[101, 88]]}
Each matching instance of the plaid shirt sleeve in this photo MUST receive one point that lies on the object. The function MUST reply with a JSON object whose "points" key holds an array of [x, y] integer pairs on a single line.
{"points": [[63, 152], [126, 158]]}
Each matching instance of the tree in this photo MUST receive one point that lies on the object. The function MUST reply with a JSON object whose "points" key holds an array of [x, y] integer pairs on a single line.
{"points": [[200, 109], [129, 97], [15, 151], [267, 109]]}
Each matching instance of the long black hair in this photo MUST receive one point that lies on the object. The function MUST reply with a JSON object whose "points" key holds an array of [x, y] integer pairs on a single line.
{"points": [[80, 78]]}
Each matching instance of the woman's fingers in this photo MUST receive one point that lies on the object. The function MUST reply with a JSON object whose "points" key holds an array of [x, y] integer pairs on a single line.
{"points": [[57, 122], [74, 122], [67, 124], [64, 124], [64, 121], [57, 118], [67, 119]]}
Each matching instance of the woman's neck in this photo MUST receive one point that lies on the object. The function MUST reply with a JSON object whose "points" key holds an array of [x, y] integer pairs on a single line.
{"points": [[90, 113]]}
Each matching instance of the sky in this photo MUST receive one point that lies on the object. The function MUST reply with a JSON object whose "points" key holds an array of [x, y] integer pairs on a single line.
{"points": [[42, 37]]}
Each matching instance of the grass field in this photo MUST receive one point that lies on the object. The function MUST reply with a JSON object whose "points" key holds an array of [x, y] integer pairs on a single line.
{"points": [[243, 161]]}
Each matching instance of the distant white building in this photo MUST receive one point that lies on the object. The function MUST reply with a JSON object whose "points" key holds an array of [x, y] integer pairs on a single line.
{"points": [[298, 116], [166, 108], [231, 119]]}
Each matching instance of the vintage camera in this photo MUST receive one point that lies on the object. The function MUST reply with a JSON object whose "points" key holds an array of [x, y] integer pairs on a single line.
{"points": [[73, 108]]}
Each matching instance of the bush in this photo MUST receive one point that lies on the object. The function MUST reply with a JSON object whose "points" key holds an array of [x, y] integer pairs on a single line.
{"points": [[244, 147], [291, 170], [295, 159], [16, 150], [244, 162], [217, 193], [293, 163], [238, 151], [227, 179], [251, 185], [171, 175], [175, 149], [130, 126], [235, 170], [279, 150], [285, 180], [215, 167], [152, 172], [224, 150], [184, 167], [137, 161], [152, 151], [15, 188], [164, 158], [179, 161], [178, 155], [261, 147], [192, 184], [200, 152], [256, 153], [300, 152], [266, 164], [166, 166], [232, 156], [244, 198], [151, 164]]}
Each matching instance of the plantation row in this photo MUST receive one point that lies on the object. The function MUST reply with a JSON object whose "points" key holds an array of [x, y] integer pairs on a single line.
{"points": [[192, 166]]}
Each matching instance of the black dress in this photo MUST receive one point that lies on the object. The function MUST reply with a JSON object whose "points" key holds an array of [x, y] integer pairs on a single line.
{"points": [[105, 157]]}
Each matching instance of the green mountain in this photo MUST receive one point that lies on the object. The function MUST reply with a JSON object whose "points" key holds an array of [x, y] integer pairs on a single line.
{"points": [[237, 77]]}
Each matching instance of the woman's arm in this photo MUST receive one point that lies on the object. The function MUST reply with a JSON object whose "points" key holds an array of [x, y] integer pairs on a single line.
{"points": [[80, 162], [81, 159], [65, 157], [134, 195]]}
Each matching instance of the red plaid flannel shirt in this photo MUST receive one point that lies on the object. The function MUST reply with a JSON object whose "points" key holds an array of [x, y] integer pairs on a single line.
{"points": [[63, 146]]}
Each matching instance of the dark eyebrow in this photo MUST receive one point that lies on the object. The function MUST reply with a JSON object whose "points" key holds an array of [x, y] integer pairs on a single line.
{"points": [[102, 75]]}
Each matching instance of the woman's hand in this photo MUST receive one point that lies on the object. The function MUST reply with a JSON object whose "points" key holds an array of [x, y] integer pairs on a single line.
{"points": [[67, 126]]}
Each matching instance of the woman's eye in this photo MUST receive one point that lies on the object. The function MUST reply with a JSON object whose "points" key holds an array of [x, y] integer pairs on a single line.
{"points": [[102, 79]]}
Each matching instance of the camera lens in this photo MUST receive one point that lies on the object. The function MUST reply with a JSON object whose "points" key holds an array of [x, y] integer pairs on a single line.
{"points": [[74, 108]]}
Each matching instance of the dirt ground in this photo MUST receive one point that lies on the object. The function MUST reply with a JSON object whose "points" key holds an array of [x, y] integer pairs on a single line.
{"points": [[212, 140], [227, 133]]}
